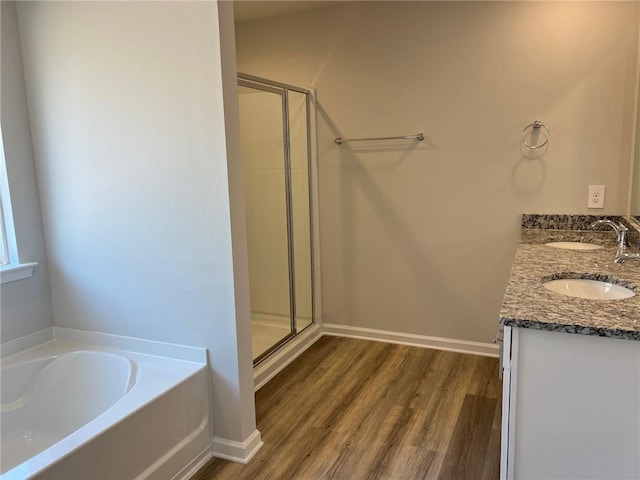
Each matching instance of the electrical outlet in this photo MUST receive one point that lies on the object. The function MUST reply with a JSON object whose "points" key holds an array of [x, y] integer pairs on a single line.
{"points": [[596, 196]]}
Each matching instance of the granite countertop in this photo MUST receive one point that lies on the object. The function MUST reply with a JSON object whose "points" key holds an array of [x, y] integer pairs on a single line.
{"points": [[527, 304]]}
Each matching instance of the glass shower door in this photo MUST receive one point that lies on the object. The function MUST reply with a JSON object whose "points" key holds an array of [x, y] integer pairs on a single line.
{"points": [[266, 186], [297, 108], [276, 151]]}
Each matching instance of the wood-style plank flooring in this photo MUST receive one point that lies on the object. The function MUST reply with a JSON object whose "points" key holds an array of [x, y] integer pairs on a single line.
{"points": [[358, 410]]}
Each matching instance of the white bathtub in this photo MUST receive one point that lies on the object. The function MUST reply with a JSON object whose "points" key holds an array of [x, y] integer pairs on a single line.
{"points": [[77, 411]]}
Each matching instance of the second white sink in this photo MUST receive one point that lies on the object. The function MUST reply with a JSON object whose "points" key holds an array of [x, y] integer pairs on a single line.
{"points": [[591, 289]]}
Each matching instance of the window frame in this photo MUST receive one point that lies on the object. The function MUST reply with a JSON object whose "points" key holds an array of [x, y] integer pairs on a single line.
{"points": [[10, 267]]}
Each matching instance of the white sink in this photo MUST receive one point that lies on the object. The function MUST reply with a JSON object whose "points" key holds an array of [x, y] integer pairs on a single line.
{"points": [[575, 246], [591, 289]]}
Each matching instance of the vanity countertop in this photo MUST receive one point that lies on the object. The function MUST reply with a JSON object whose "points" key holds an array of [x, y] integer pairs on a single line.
{"points": [[527, 304]]}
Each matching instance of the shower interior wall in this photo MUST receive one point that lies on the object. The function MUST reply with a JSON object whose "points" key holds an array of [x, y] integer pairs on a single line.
{"points": [[418, 238]]}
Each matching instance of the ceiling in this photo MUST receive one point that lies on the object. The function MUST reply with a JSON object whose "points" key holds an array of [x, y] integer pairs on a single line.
{"points": [[249, 10]]}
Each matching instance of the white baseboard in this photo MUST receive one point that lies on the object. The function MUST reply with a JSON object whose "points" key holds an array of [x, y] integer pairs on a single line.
{"points": [[437, 343], [276, 362], [236, 451]]}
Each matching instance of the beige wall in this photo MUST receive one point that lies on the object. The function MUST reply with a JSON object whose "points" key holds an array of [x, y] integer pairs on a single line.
{"points": [[634, 200], [634, 180], [635, 171], [420, 238]]}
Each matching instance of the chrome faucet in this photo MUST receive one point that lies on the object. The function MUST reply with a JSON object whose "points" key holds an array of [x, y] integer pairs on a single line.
{"points": [[622, 257], [620, 229]]}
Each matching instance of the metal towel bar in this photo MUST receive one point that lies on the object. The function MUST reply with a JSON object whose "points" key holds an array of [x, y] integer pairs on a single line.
{"points": [[418, 136]]}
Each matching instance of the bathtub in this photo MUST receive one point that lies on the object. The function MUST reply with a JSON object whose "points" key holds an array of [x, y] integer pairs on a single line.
{"points": [[73, 410]]}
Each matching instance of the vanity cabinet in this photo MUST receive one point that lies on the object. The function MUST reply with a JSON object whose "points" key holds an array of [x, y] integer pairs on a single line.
{"points": [[571, 406]]}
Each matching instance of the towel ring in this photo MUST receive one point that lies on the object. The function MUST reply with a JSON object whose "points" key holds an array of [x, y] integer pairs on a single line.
{"points": [[535, 126]]}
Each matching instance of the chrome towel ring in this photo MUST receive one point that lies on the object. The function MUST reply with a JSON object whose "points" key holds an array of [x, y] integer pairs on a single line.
{"points": [[535, 129]]}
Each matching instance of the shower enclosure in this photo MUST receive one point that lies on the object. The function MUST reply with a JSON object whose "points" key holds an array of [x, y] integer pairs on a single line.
{"points": [[275, 140]]}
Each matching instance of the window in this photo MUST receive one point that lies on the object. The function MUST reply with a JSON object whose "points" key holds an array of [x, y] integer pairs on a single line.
{"points": [[10, 267], [4, 250]]}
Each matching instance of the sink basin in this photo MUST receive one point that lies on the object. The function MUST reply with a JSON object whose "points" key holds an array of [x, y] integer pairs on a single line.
{"points": [[591, 289], [575, 246]]}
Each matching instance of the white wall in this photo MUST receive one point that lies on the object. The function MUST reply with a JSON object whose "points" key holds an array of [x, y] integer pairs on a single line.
{"points": [[25, 305], [128, 103], [420, 238]]}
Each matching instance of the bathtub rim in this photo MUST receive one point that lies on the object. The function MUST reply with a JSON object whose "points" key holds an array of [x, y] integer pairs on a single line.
{"points": [[118, 342]]}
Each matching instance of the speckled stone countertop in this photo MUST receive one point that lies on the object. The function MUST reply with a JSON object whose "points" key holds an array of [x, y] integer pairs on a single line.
{"points": [[527, 304]]}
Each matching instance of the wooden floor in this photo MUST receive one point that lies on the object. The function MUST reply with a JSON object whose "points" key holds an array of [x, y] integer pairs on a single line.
{"points": [[359, 410]]}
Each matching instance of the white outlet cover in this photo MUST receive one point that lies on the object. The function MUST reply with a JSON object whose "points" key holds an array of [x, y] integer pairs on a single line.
{"points": [[596, 196]]}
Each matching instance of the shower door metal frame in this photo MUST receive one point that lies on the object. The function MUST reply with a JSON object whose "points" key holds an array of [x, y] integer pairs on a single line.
{"points": [[282, 89]]}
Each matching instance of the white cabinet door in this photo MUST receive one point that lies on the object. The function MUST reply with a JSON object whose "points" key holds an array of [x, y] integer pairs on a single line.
{"points": [[573, 407]]}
